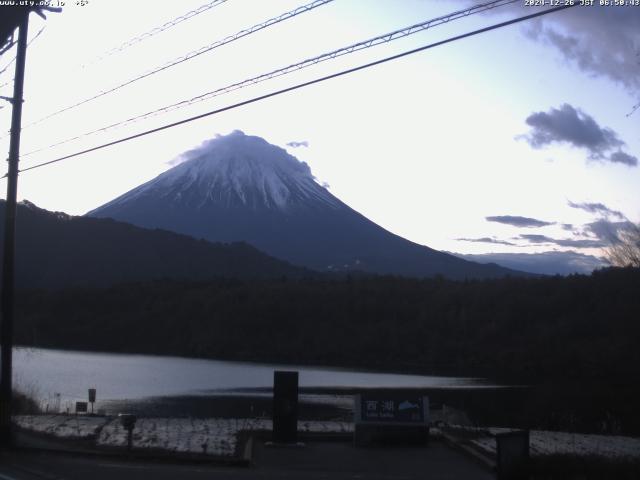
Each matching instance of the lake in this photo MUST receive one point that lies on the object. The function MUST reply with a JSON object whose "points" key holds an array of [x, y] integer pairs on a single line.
{"points": [[43, 373]]}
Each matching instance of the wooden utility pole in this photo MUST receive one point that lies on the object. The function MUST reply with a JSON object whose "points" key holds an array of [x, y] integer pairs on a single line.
{"points": [[8, 273]]}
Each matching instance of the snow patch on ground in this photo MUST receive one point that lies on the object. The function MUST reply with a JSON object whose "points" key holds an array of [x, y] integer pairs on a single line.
{"points": [[213, 436], [62, 426], [544, 443], [185, 435], [210, 436]]}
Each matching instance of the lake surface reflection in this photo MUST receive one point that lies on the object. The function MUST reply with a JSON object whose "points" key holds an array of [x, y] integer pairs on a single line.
{"points": [[43, 373]]}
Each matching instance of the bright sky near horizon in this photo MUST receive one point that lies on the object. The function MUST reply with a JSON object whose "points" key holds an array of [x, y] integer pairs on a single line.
{"points": [[516, 140]]}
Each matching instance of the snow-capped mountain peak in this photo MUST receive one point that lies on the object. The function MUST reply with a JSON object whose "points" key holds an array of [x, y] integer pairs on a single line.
{"points": [[237, 169]]}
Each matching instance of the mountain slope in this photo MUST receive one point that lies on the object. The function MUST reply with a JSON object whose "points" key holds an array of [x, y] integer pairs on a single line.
{"points": [[241, 188], [57, 250]]}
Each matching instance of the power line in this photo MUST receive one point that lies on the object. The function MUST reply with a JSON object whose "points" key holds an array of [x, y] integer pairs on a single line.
{"points": [[134, 40], [219, 43], [10, 62], [156, 30], [6, 67], [302, 85], [380, 39], [9, 45], [5, 84]]}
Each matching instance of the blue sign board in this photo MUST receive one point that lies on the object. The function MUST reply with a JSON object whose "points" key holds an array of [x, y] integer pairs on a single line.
{"points": [[394, 409]]}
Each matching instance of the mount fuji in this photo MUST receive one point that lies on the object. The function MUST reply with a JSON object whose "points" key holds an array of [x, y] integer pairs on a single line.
{"points": [[241, 188]]}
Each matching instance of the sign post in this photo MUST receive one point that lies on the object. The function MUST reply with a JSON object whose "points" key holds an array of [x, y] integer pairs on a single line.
{"points": [[128, 422], [92, 398]]}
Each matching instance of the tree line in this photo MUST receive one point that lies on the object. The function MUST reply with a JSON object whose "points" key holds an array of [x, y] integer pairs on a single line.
{"points": [[513, 329]]}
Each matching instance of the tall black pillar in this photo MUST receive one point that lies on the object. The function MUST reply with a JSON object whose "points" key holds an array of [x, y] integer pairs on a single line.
{"points": [[285, 407]]}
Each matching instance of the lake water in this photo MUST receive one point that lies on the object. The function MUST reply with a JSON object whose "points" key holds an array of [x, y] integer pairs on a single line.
{"points": [[43, 373]]}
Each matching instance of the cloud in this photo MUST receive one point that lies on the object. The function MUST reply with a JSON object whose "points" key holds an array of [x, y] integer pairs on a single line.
{"points": [[578, 129], [573, 126], [535, 238], [545, 263], [600, 41], [598, 234], [303, 143], [517, 221], [485, 240], [598, 208], [625, 158], [563, 242], [606, 231]]}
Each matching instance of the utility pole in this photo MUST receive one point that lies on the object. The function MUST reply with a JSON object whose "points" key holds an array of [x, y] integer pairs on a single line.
{"points": [[8, 273]]}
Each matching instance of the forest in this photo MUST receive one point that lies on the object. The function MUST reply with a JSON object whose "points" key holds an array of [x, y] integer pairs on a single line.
{"points": [[511, 329]]}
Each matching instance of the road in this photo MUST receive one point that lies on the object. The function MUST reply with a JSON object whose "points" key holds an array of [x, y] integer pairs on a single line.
{"points": [[317, 460]]}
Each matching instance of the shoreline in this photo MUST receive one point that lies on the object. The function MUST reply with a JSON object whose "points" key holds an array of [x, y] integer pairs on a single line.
{"points": [[315, 403]]}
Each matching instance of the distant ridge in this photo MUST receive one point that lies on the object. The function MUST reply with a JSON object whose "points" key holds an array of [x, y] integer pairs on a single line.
{"points": [[241, 188], [56, 250], [543, 263]]}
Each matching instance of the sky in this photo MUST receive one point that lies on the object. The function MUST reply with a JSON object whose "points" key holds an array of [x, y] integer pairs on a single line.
{"points": [[517, 141]]}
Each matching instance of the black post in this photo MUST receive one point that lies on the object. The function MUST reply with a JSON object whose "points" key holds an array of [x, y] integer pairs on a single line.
{"points": [[512, 455], [8, 274], [285, 407]]}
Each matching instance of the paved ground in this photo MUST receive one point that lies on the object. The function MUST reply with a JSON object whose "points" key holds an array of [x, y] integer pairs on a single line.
{"points": [[325, 459], [317, 460]]}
